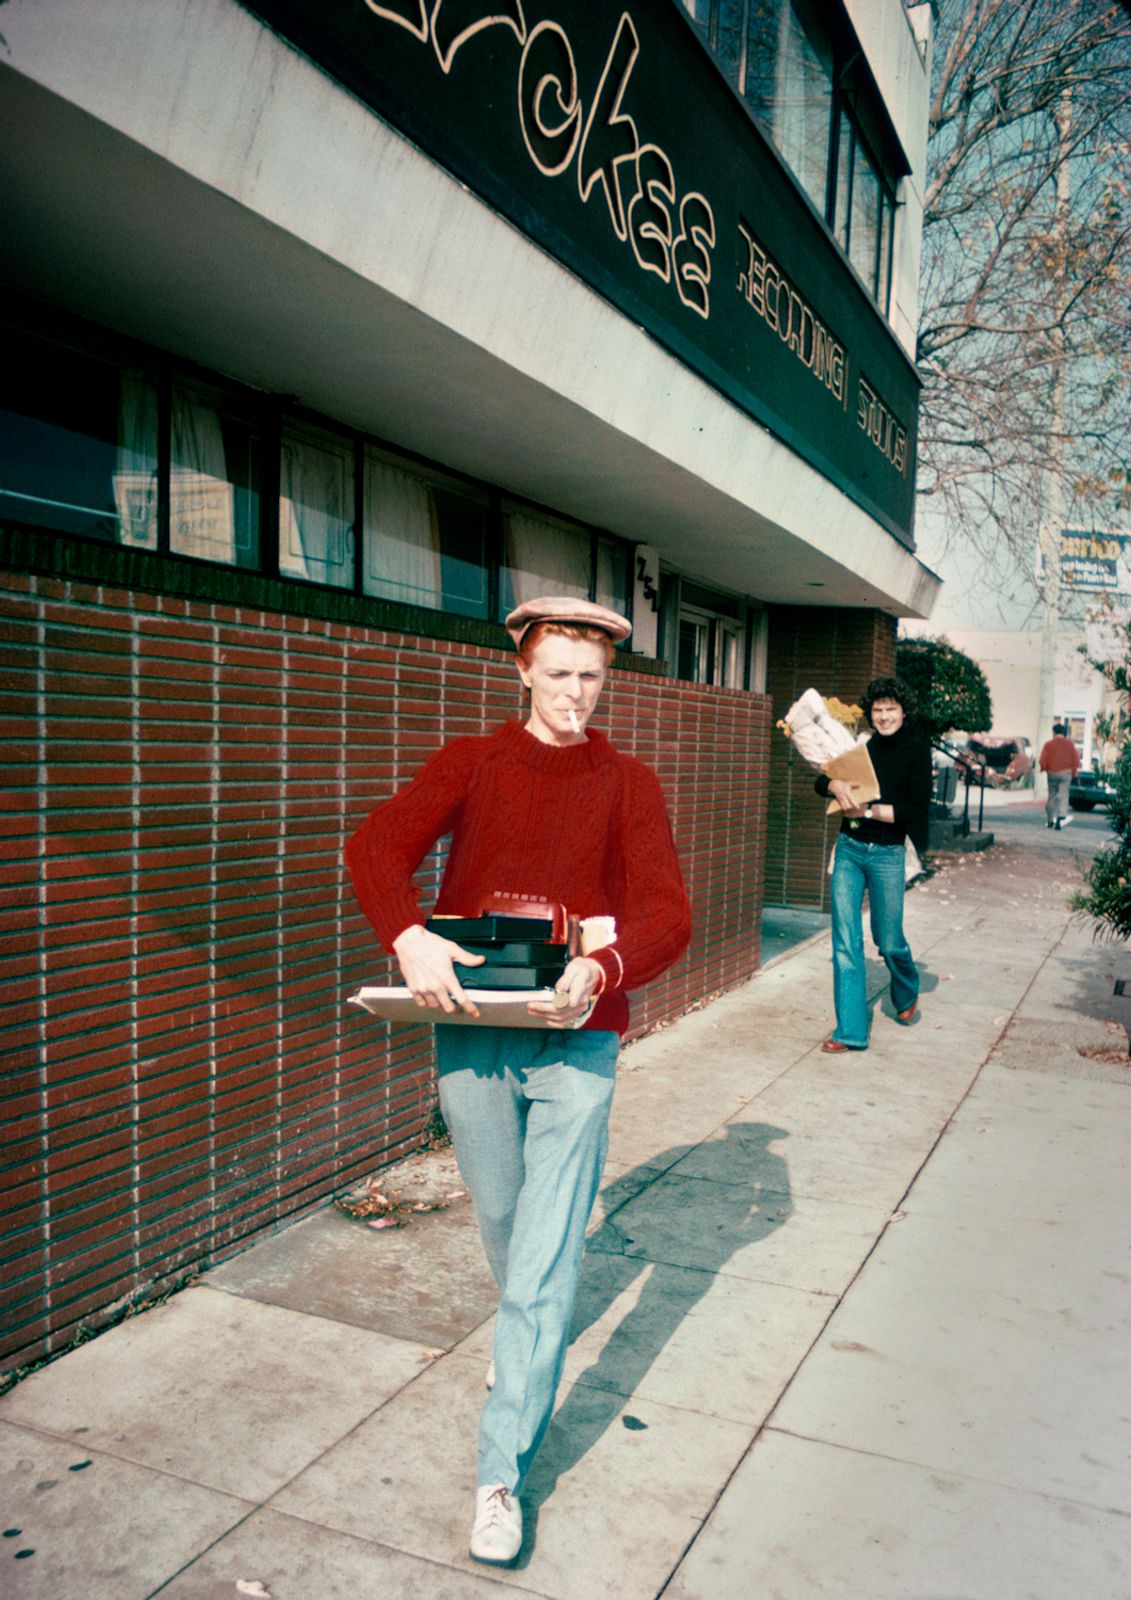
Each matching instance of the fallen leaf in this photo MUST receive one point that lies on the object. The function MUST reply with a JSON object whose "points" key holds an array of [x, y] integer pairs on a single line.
{"points": [[385, 1222]]}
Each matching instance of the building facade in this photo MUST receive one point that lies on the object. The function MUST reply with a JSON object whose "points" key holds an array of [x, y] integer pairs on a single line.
{"points": [[1084, 702], [332, 333]]}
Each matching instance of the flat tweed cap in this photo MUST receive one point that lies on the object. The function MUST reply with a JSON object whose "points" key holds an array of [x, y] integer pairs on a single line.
{"points": [[563, 608]]}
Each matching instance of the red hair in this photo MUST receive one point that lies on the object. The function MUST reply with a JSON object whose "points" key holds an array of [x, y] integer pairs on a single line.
{"points": [[568, 630]]}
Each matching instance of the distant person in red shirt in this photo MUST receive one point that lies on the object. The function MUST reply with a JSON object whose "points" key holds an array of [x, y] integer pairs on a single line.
{"points": [[1059, 760], [547, 810]]}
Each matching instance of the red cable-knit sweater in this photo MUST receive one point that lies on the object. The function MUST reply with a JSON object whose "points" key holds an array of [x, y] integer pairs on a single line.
{"points": [[580, 824]]}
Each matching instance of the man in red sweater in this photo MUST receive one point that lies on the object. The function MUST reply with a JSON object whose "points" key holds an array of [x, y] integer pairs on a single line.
{"points": [[1059, 760], [551, 811]]}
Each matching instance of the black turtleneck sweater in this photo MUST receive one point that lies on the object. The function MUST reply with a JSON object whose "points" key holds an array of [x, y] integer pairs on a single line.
{"points": [[903, 769]]}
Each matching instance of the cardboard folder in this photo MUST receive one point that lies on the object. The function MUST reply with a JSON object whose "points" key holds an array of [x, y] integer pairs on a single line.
{"points": [[498, 1008], [855, 767]]}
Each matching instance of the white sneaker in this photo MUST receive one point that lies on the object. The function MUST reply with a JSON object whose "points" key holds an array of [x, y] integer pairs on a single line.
{"points": [[490, 1374], [1064, 821], [496, 1533]]}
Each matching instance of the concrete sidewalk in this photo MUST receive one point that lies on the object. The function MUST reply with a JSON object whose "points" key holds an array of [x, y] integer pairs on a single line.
{"points": [[848, 1327]]}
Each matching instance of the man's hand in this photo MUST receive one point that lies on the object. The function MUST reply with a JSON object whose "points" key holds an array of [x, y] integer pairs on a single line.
{"points": [[845, 796], [425, 959], [574, 990]]}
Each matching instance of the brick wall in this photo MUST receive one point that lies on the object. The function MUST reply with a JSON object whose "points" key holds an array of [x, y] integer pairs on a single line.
{"points": [[176, 936], [839, 653]]}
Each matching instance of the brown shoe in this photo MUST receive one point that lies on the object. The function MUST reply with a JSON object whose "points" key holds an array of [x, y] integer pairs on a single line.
{"points": [[833, 1047], [909, 1015]]}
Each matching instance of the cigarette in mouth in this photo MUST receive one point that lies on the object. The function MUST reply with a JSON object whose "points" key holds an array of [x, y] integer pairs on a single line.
{"points": [[573, 722]]}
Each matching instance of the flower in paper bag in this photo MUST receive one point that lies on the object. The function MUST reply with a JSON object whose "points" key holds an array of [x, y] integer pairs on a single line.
{"points": [[848, 715], [815, 733]]}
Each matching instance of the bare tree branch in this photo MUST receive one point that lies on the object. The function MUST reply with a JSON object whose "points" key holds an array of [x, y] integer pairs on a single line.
{"points": [[1019, 293]]}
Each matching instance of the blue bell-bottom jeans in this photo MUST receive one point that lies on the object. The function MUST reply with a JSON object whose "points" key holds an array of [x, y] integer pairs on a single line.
{"points": [[528, 1111], [879, 870]]}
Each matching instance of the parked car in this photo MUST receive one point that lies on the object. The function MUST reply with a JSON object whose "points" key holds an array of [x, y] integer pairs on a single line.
{"points": [[1088, 790], [1005, 761]]}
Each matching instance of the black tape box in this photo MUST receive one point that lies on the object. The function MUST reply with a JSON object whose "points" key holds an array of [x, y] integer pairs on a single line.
{"points": [[517, 952]]}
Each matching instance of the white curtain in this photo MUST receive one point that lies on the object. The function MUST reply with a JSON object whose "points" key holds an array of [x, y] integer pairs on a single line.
{"points": [[316, 507], [402, 539], [135, 468], [201, 499], [545, 556]]}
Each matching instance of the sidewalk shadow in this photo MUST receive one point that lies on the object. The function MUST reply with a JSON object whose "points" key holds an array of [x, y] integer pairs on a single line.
{"points": [[877, 972], [747, 1206]]}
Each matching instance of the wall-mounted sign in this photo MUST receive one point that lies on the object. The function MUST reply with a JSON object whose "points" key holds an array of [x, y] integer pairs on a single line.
{"points": [[608, 135], [646, 600], [1095, 560]]}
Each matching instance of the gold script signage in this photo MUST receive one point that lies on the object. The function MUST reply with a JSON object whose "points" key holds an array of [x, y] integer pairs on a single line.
{"points": [[563, 128], [608, 135]]}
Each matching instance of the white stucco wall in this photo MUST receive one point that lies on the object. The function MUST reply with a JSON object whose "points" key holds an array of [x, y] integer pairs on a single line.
{"points": [[1011, 661]]}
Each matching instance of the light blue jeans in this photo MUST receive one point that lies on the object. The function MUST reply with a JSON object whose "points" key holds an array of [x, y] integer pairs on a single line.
{"points": [[528, 1111], [879, 869]]}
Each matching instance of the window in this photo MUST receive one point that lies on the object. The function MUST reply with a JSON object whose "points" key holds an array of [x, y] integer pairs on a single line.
{"points": [[213, 478], [711, 649], [842, 193], [704, 633], [864, 212], [78, 442], [729, 640], [725, 27], [425, 537], [759, 636], [316, 505], [614, 569], [885, 243], [864, 229], [104, 439], [788, 86], [693, 661], [542, 554], [700, 13], [813, 99], [782, 68]]}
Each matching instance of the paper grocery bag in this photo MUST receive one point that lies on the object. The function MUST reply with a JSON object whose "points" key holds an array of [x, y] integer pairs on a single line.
{"points": [[855, 767]]}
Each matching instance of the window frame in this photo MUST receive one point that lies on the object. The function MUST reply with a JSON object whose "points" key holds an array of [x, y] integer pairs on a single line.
{"points": [[722, 616], [268, 415], [855, 103]]}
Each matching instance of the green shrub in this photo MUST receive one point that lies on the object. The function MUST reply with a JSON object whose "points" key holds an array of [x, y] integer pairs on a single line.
{"points": [[1107, 898], [950, 688]]}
